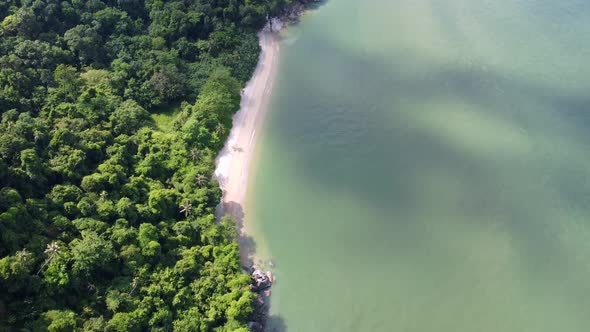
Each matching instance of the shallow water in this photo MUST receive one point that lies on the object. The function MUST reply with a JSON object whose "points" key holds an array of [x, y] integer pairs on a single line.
{"points": [[425, 166]]}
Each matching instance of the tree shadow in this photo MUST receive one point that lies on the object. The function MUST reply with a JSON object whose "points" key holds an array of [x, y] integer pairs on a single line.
{"points": [[315, 4], [295, 11], [276, 323], [261, 321], [247, 243]]}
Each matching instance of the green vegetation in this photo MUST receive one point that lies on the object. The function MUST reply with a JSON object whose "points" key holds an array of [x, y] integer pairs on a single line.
{"points": [[164, 118], [106, 210]]}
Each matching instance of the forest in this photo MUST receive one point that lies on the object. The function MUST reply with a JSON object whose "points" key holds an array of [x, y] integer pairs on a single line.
{"points": [[112, 113]]}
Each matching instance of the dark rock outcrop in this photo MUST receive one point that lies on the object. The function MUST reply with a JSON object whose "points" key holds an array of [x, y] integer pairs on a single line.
{"points": [[255, 327], [260, 281]]}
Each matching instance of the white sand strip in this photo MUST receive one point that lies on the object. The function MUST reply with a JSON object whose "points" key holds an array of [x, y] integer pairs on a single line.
{"points": [[233, 162]]}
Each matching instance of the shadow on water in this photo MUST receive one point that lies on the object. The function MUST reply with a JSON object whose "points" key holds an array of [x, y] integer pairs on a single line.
{"points": [[261, 319], [317, 4], [270, 323], [276, 323]]}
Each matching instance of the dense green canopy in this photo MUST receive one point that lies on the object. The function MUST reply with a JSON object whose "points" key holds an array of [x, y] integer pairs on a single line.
{"points": [[106, 214]]}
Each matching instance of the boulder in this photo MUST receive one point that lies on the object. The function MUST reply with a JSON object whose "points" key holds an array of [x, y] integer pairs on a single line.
{"points": [[260, 280]]}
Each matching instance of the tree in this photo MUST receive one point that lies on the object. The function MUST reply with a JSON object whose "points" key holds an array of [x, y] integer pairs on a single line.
{"points": [[90, 253], [68, 83], [123, 322], [50, 253], [116, 215], [22, 23], [61, 194], [15, 270], [201, 180], [163, 201], [220, 94], [32, 164], [194, 155], [190, 320], [69, 162], [94, 324], [186, 208], [147, 234], [127, 209], [40, 55], [128, 117], [84, 41], [57, 275], [168, 83], [219, 129], [95, 182], [60, 321], [112, 21]]}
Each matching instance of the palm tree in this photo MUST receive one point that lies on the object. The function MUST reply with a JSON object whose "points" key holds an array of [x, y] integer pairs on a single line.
{"points": [[23, 256], [219, 129], [195, 154], [91, 287], [187, 208], [50, 252], [134, 284], [37, 136], [201, 180]]}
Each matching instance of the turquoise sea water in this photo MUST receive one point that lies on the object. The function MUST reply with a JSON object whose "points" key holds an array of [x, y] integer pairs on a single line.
{"points": [[425, 166]]}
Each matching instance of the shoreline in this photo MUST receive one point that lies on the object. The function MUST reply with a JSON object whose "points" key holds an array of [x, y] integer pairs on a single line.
{"points": [[235, 161], [233, 164]]}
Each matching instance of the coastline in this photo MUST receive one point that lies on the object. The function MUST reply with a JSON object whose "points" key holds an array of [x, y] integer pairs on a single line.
{"points": [[233, 164], [235, 161]]}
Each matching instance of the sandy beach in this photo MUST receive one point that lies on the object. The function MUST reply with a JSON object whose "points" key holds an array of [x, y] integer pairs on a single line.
{"points": [[234, 161]]}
